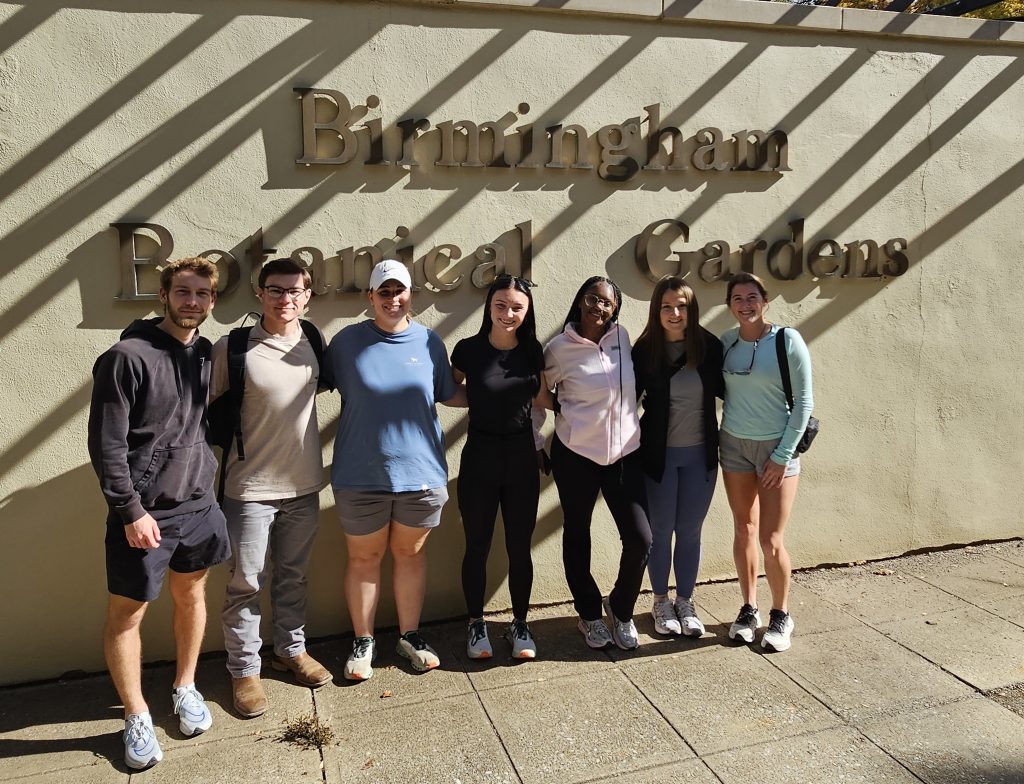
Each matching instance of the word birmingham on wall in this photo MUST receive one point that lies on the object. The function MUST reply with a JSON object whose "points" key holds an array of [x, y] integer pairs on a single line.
{"points": [[328, 137]]}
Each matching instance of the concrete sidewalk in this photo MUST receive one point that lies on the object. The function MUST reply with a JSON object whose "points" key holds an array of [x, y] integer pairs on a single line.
{"points": [[905, 670]]}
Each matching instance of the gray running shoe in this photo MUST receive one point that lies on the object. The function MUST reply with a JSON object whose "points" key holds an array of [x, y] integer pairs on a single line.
{"points": [[595, 633], [141, 749], [478, 645], [665, 620], [420, 655], [623, 632], [687, 615], [523, 645], [746, 624], [780, 629], [359, 666]]}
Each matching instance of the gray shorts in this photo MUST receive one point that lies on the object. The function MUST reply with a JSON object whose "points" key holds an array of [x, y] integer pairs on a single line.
{"points": [[363, 512], [745, 456]]}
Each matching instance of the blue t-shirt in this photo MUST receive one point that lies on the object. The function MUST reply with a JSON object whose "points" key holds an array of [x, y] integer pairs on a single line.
{"points": [[755, 402], [389, 437]]}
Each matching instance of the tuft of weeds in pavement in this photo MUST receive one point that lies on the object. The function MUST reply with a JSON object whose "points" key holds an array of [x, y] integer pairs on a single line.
{"points": [[307, 732]]}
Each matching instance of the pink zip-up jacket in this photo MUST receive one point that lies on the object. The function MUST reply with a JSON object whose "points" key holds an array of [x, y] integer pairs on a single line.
{"points": [[596, 393]]}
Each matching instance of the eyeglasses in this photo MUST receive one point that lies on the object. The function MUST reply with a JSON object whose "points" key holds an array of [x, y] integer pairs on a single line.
{"points": [[740, 372], [506, 278], [590, 300], [276, 292]]}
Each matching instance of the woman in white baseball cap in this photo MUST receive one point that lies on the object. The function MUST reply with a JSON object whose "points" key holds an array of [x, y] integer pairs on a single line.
{"points": [[389, 472]]}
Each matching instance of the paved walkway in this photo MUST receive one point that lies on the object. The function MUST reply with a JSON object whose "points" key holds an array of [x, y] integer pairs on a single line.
{"points": [[906, 670]]}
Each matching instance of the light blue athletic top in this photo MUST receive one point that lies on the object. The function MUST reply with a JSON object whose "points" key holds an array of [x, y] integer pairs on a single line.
{"points": [[389, 437], [755, 404]]}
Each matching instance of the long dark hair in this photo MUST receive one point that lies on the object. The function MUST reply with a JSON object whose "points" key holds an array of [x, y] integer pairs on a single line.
{"points": [[526, 333], [576, 312], [651, 343]]}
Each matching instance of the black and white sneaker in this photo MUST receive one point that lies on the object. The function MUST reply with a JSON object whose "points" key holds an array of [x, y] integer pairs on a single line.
{"points": [[746, 624], [780, 629]]}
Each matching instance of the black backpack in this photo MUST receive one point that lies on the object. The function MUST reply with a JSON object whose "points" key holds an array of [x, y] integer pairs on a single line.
{"points": [[224, 415]]}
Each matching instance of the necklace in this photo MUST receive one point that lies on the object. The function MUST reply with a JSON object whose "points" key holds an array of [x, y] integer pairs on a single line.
{"points": [[764, 331]]}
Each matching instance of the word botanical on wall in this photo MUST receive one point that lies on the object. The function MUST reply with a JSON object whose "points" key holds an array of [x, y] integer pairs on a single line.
{"points": [[443, 268], [330, 136], [784, 259]]}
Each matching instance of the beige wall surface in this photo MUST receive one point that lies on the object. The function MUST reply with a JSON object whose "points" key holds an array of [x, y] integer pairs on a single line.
{"points": [[185, 114]]}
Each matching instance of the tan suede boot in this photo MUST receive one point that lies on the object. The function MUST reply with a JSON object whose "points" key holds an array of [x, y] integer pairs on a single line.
{"points": [[307, 670], [250, 700]]}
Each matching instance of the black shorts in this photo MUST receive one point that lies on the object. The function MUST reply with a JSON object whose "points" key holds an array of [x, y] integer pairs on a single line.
{"points": [[189, 542]]}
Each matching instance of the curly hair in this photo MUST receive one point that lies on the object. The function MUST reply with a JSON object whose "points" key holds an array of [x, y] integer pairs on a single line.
{"points": [[204, 268]]}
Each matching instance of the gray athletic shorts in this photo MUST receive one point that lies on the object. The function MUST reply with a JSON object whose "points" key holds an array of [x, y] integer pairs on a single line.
{"points": [[744, 456], [363, 512]]}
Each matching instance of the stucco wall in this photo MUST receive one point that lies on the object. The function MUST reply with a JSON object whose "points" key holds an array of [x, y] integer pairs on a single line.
{"points": [[184, 114]]}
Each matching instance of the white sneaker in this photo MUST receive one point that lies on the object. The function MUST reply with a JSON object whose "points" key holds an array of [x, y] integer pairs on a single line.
{"points": [[415, 649], [687, 615], [623, 632], [780, 629], [478, 644], [193, 715], [746, 624], [141, 749], [523, 645], [665, 620], [595, 633], [359, 666]]}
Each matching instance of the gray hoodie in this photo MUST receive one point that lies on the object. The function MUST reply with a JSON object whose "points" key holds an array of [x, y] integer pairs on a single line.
{"points": [[147, 424]]}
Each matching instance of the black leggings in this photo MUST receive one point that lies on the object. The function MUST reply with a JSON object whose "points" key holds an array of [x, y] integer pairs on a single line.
{"points": [[497, 471], [622, 485]]}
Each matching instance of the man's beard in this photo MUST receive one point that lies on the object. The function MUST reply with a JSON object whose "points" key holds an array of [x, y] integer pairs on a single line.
{"points": [[184, 322]]}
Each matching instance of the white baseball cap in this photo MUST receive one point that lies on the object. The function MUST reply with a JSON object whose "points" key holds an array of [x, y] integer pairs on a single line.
{"points": [[390, 269]]}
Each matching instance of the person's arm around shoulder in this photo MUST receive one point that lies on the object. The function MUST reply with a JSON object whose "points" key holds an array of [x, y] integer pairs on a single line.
{"points": [[446, 390], [643, 381], [328, 381], [553, 374], [114, 384], [714, 354], [320, 387], [219, 370]]}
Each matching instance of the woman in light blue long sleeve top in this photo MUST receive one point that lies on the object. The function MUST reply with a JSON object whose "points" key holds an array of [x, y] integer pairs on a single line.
{"points": [[760, 466]]}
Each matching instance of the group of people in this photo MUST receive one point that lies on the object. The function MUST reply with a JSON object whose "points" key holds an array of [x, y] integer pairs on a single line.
{"points": [[656, 471]]}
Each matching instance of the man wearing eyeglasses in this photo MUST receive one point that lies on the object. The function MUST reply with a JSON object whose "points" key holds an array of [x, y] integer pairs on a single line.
{"points": [[271, 490]]}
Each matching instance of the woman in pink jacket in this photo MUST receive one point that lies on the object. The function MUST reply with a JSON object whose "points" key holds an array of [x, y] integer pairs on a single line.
{"points": [[597, 435]]}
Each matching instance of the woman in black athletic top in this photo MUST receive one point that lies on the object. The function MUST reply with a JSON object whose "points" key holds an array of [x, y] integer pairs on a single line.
{"points": [[502, 366]]}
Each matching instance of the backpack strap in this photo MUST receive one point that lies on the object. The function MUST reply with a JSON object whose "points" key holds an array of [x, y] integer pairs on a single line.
{"points": [[316, 340], [238, 345], [782, 354]]}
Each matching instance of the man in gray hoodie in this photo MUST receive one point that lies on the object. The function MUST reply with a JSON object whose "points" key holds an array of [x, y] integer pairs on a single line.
{"points": [[147, 441]]}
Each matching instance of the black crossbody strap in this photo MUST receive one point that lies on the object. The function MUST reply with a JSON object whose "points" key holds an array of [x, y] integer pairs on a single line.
{"points": [[316, 341], [780, 352], [238, 344]]}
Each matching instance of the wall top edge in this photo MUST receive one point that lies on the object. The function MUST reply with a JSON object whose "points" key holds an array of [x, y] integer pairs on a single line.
{"points": [[761, 13]]}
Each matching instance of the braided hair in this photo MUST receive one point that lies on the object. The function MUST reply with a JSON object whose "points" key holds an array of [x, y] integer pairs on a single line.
{"points": [[576, 312]]}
